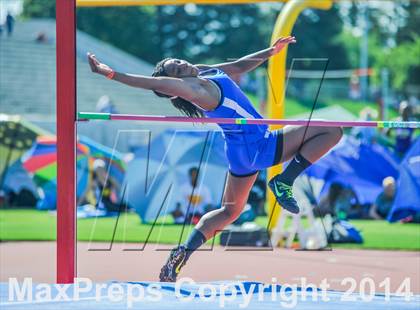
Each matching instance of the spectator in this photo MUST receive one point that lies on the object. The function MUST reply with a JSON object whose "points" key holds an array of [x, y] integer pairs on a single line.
{"points": [[10, 21], [104, 190], [348, 206], [384, 201], [105, 105], [340, 202], [194, 201], [354, 89], [366, 135], [404, 136], [41, 38], [328, 202], [178, 214], [24, 198]]}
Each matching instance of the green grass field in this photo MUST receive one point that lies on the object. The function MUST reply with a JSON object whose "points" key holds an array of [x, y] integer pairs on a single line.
{"points": [[19, 225]]}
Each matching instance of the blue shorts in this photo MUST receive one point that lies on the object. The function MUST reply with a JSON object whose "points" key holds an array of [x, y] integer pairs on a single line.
{"points": [[248, 159]]}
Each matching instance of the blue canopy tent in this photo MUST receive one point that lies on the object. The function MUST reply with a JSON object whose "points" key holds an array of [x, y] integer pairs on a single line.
{"points": [[157, 171], [407, 200], [359, 166]]}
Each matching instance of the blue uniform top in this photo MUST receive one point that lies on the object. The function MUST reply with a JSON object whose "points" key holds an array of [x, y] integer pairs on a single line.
{"points": [[234, 104]]}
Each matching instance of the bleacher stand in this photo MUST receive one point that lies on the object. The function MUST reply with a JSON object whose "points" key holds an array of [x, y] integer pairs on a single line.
{"points": [[28, 86]]}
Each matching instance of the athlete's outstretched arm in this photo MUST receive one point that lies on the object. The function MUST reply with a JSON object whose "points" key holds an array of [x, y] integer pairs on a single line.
{"points": [[252, 61], [166, 85]]}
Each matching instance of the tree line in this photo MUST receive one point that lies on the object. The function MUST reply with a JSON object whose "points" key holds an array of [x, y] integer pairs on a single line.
{"points": [[217, 33]]}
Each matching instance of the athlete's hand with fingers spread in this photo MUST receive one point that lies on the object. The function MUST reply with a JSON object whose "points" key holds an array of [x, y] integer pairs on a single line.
{"points": [[281, 43], [98, 67]]}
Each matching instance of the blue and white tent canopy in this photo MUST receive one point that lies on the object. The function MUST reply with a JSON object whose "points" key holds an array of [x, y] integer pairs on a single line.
{"points": [[158, 170]]}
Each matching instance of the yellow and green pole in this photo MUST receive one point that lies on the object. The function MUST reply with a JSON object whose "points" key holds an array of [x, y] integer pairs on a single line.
{"points": [[277, 78]]}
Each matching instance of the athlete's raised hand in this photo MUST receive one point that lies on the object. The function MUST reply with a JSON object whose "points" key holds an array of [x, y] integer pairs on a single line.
{"points": [[281, 43], [98, 67]]}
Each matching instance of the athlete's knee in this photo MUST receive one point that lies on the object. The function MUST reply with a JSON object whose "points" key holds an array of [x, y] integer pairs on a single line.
{"points": [[339, 132], [335, 132], [232, 211]]}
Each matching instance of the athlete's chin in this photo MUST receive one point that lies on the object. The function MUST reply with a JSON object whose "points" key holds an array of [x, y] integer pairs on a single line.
{"points": [[193, 72], [190, 74]]}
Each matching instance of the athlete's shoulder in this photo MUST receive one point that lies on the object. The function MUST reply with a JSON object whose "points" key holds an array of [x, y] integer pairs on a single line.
{"points": [[211, 71]]}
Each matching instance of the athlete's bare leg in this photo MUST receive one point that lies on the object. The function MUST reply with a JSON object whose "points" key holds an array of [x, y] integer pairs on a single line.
{"points": [[234, 199], [316, 142], [312, 145]]}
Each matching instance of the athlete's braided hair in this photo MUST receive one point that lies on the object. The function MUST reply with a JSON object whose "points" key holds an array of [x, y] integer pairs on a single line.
{"points": [[182, 105]]}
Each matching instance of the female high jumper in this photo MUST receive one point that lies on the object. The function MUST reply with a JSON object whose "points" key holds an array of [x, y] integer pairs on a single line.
{"points": [[209, 90]]}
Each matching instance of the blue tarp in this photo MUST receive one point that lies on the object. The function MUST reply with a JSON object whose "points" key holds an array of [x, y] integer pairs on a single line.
{"points": [[357, 165], [407, 200]]}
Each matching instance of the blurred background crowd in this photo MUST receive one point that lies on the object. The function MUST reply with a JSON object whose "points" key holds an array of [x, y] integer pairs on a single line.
{"points": [[373, 73]]}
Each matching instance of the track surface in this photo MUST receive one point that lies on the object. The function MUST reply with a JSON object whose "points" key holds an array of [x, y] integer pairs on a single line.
{"points": [[37, 260]]}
